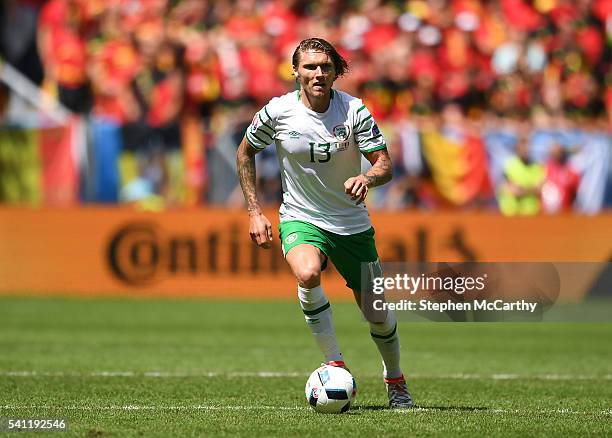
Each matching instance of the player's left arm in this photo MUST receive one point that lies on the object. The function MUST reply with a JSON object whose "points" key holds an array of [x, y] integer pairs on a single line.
{"points": [[380, 173]]}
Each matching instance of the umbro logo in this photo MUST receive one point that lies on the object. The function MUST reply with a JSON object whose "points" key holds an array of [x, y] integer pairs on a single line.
{"points": [[294, 134]]}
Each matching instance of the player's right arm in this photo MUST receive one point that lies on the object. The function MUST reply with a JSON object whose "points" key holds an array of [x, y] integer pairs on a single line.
{"points": [[260, 227]]}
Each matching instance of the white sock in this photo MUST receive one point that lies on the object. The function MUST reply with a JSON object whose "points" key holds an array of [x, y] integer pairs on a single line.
{"points": [[386, 338], [318, 315]]}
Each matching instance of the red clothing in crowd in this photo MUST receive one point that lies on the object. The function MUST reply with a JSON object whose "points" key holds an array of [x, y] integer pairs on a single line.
{"points": [[117, 62], [521, 15], [69, 58], [602, 9], [560, 186], [120, 62], [164, 93], [378, 37], [53, 14], [63, 49]]}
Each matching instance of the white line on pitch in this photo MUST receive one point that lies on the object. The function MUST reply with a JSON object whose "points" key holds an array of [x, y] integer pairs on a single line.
{"points": [[161, 374], [273, 374], [159, 408]]}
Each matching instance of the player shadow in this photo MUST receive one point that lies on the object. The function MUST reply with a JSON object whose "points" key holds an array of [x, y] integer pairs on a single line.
{"points": [[422, 408]]}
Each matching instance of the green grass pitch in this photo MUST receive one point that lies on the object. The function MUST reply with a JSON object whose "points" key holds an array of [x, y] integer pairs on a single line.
{"points": [[201, 368]]}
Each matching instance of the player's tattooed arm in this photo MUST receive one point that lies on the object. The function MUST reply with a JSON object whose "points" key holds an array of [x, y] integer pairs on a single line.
{"points": [[245, 164], [380, 173], [260, 227], [382, 168]]}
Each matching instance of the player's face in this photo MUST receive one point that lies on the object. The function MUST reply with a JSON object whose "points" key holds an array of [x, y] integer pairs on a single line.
{"points": [[316, 73]]}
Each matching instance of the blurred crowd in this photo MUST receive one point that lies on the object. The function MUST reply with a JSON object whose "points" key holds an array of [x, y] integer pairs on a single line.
{"points": [[488, 104]]}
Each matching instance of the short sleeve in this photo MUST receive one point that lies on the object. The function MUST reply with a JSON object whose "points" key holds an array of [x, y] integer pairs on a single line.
{"points": [[367, 133], [261, 132]]}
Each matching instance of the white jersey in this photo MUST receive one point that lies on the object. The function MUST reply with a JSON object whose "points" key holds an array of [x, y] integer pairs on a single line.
{"points": [[317, 153]]}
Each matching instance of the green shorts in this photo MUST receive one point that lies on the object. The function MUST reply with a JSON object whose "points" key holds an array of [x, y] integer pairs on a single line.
{"points": [[347, 252]]}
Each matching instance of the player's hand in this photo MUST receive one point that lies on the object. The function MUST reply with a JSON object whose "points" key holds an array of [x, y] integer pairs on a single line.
{"points": [[357, 188], [260, 230]]}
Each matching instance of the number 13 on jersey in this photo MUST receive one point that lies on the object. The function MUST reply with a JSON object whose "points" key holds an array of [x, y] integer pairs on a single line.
{"points": [[320, 148]]}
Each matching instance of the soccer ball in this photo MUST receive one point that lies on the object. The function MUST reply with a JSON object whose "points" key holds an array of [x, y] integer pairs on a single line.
{"points": [[330, 389]]}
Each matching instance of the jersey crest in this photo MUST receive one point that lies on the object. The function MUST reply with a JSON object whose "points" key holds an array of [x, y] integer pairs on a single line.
{"points": [[341, 132]]}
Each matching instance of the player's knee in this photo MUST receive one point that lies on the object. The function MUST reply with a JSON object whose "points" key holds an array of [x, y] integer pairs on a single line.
{"points": [[308, 276], [380, 327], [383, 326]]}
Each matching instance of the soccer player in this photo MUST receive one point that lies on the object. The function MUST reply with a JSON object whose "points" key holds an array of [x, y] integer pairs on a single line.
{"points": [[320, 134]]}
